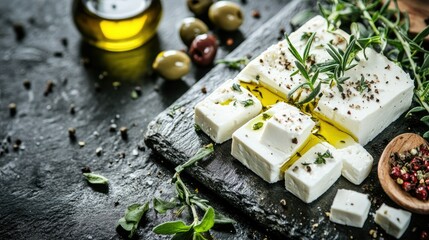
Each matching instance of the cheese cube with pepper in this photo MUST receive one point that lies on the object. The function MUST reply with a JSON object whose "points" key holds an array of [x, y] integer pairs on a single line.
{"points": [[357, 163], [252, 147], [314, 173], [225, 110], [350, 208], [287, 128], [394, 221], [274, 68], [377, 92]]}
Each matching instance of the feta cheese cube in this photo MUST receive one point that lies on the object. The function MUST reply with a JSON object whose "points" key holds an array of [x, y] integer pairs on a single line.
{"points": [[350, 208], [376, 94], [309, 177], [225, 110], [287, 128], [274, 67], [357, 163], [264, 159], [394, 221]]}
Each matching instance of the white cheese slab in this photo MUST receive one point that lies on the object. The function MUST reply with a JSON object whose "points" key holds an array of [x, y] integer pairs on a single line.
{"points": [[263, 159], [308, 180], [365, 113], [287, 128], [394, 221], [273, 68], [225, 110], [350, 208], [357, 163]]}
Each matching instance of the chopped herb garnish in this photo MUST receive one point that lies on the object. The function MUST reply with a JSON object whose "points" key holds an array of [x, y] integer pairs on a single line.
{"points": [[306, 36], [236, 64], [305, 164], [362, 84], [197, 127], [321, 158], [266, 116], [236, 87], [258, 125], [248, 102], [95, 178]]}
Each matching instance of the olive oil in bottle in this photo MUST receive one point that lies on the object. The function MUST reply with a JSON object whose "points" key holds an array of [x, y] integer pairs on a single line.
{"points": [[117, 25]]}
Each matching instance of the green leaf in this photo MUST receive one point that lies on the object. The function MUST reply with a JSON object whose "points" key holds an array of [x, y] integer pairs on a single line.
{"points": [[426, 135], [206, 222], [302, 70], [258, 125], [293, 50], [312, 95], [236, 87], [201, 153], [425, 118], [308, 46], [131, 219], [135, 212], [247, 103], [173, 227], [421, 36], [162, 206], [198, 236], [414, 109], [189, 235], [222, 219], [266, 116], [95, 178]]}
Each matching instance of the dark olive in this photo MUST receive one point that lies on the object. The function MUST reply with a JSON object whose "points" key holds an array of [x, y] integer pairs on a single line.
{"points": [[226, 15], [199, 7], [203, 49], [190, 28], [172, 64]]}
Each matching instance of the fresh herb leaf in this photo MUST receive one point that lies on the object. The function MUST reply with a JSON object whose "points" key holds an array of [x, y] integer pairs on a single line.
{"points": [[248, 102], [197, 127], [321, 158], [132, 218], [201, 154], [236, 64], [266, 116], [258, 125], [207, 222], [162, 206], [172, 227], [95, 178], [236, 87], [362, 84]]}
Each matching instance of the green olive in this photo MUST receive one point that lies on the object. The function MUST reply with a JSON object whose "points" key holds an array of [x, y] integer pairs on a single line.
{"points": [[199, 7], [226, 15], [190, 28], [172, 64]]}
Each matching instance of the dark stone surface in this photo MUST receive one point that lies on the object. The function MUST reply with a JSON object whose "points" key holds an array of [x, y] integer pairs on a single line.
{"points": [[175, 138], [42, 192]]}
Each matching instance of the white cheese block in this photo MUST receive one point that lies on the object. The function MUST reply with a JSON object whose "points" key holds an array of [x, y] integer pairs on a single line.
{"points": [[287, 128], [350, 208], [273, 68], [357, 163], [263, 159], [308, 180], [225, 110], [394, 221], [363, 111]]}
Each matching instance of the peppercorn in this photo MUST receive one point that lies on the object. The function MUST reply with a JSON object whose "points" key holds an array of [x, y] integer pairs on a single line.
{"points": [[124, 132], [12, 109]]}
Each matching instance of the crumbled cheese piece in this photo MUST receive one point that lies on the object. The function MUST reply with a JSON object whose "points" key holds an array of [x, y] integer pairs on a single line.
{"points": [[225, 110], [357, 163], [350, 208], [307, 179], [394, 221], [249, 147]]}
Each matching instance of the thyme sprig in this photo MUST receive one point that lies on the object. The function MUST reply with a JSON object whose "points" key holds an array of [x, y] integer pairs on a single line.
{"points": [[185, 198], [388, 30]]}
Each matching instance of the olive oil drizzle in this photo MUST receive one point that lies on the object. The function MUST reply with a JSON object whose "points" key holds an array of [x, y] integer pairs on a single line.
{"points": [[322, 132]]}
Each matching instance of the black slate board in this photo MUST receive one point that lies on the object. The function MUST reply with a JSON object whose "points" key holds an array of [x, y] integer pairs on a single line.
{"points": [[172, 135]]}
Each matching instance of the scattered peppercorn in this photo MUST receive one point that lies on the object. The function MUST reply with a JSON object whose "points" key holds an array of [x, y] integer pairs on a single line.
{"points": [[81, 144], [72, 109], [86, 169], [12, 109], [18, 142], [229, 41], [204, 90], [295, 141], [19, 30], [116, 203], [49, 88], [256, 14], [72, 133], [15, 147], [124, 132], [98, 151], [113, 127], [27, 84], [64, 42], [283, 202], [58, 54]]}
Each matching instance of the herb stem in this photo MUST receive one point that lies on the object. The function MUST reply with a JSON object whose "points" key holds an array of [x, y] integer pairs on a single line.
{"points": [[368, 17]]}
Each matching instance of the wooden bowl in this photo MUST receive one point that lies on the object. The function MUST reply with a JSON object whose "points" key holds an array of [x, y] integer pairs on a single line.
{"points": [[401, 143]]}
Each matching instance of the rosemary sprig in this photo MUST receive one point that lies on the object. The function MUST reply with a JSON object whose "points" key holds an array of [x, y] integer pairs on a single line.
{"points": [[387, 30], [235, 64]]}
